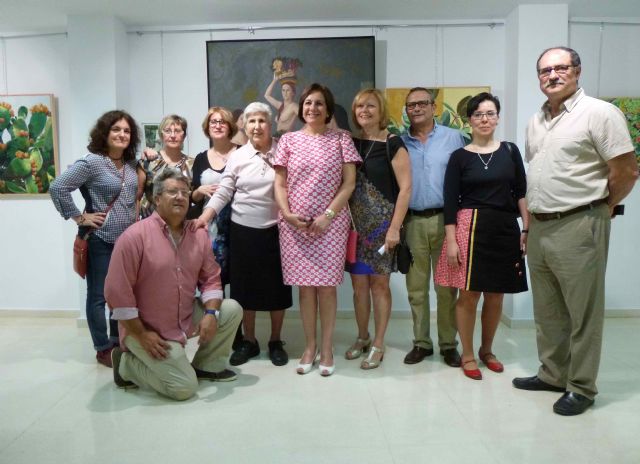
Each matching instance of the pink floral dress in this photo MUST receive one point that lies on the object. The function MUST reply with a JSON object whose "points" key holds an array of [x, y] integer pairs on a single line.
{"points": [[314, 175]]}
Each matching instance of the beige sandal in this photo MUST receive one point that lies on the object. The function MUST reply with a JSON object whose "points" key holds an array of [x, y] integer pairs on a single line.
{"points": [[369, 362], [360, 346]]}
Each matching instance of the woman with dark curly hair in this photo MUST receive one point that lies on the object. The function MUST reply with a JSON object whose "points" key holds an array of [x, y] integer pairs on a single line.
{"points": [[108, 182]]}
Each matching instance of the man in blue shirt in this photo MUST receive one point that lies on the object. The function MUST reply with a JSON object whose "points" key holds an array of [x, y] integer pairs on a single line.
{"points": [[429, 145]]}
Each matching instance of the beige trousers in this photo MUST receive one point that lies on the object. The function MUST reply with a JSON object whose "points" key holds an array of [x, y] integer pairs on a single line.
{"points": [[567, 262], [174, 376], [425, 237]]}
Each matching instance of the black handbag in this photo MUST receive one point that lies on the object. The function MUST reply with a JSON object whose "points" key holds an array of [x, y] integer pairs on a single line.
{"points": [[403, 256], [402, 253]]}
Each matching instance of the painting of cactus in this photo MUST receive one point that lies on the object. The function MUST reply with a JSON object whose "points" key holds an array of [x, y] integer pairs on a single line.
{"points": [[28, 144], [451, 108]]}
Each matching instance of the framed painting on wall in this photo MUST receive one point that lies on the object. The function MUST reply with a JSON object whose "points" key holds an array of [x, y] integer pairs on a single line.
{"points": [[150, 136], [28, 144], [631, 109], [451, 107], [276, 72]]}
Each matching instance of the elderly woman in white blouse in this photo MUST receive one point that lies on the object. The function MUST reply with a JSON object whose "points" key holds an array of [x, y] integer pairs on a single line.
{"points": [[255, 269]]}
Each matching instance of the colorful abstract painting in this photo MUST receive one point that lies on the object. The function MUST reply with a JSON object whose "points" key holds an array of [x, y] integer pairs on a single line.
{"points": [[451, 107]]}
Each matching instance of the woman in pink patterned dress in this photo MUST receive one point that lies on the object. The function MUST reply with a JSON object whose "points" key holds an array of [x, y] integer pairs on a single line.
{"points": [[315, 176]]}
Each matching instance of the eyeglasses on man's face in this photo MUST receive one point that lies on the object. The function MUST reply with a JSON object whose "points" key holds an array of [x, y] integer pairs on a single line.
{"points": [[422, 104], [489, 115], [560, 69], [174, 193]]}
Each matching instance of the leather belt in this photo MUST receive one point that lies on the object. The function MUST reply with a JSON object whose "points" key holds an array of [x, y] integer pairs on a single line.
{"points": [[426, 212], [551, 216]]}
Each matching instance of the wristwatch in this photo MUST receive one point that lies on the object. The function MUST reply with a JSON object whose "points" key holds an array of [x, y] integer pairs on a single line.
{"points": [[329, 213], [214, 312]]}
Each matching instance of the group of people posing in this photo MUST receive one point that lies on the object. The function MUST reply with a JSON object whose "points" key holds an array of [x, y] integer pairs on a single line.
{"points": [[274, 213]]}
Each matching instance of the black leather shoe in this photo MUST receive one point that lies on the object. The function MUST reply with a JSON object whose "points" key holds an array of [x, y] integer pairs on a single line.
{"points": [[246, 351], [535, 384], [116, 357], [451, 357], [277, 354], [237, 339], [417, 354], [225, 375], [572, 404]]}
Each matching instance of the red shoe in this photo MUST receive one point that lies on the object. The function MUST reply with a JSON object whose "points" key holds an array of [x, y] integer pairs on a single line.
{"points": [[474, 374], [104, 357], [489, 359]]}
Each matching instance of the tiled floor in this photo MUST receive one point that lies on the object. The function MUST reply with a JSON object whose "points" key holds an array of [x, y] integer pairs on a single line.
{"points": [[58, 406]]}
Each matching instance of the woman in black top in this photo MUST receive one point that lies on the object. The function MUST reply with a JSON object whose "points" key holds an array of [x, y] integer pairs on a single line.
{"points": [[208, 168], [378, 206], [484, 191]]}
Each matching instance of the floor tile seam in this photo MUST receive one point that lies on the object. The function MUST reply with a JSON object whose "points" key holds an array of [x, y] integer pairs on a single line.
{"points": [[43, 413], [379, 420], [495, 457]]}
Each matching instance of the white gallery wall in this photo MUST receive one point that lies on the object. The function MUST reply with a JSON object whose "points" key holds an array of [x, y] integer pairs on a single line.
{"points": [[167, 73]]}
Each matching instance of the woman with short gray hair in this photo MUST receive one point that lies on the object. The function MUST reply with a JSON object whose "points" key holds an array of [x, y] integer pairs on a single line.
{"points": [[255, 266]]}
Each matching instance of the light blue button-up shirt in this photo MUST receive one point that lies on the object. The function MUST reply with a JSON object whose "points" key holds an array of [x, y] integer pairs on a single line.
{"points": [[429, 163]]}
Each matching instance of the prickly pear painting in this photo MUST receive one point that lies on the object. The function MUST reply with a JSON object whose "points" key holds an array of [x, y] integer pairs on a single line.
{"points": [[28, 148], [451, 107]]}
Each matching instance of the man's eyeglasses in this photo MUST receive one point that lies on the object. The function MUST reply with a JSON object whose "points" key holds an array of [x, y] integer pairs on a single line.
{"points": [[422, 104], [173, 193], [489, 115], [169, 132], [217, 122], [561, 69]]}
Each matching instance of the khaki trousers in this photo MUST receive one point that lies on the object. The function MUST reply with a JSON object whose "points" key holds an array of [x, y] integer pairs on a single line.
{"points": [[567, 262], [174, 376], [425, 237]]}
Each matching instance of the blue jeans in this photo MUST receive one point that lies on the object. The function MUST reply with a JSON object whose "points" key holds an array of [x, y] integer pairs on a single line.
{"points": [[97, 267]]}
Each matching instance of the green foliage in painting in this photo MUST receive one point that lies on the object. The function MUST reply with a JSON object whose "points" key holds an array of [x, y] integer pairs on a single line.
{"points": [[26, 149]]}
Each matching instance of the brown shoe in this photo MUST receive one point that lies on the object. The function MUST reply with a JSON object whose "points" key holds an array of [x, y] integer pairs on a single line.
{"points": [[104, 357], [417, 354]]}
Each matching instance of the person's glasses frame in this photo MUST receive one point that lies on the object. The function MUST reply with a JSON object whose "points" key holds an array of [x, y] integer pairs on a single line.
{"points": [[422, 104], [173, 193], [489, 115], [560, 69], [217, 122], [170, 132]]}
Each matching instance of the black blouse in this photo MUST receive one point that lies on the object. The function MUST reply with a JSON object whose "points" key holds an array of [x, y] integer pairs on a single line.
{"points": [[467, 184], [375, 165]]}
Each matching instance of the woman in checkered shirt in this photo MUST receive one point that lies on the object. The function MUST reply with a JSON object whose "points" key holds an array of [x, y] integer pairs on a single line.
{"points": [[105, 176]]}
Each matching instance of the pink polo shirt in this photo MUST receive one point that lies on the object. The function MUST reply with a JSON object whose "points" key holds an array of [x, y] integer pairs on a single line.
{"points": [[151, 278]]}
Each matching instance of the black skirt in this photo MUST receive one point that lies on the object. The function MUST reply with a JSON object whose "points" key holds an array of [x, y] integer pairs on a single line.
{"points": [[489, 243], [255, 269]]}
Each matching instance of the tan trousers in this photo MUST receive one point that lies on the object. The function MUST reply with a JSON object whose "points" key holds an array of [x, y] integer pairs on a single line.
{"points": [[567, 263], [425, 237], [174, 376]]}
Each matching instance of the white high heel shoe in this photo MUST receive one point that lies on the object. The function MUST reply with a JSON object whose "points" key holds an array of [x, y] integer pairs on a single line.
{"points": [[326, 371], [306, 368]]}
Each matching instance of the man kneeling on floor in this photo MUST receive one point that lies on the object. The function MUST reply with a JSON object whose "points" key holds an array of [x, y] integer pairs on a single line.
{"points": [[155, 268]]}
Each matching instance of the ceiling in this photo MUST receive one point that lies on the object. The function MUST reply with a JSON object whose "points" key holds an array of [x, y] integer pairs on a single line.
{"points": [[25, 16]]}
